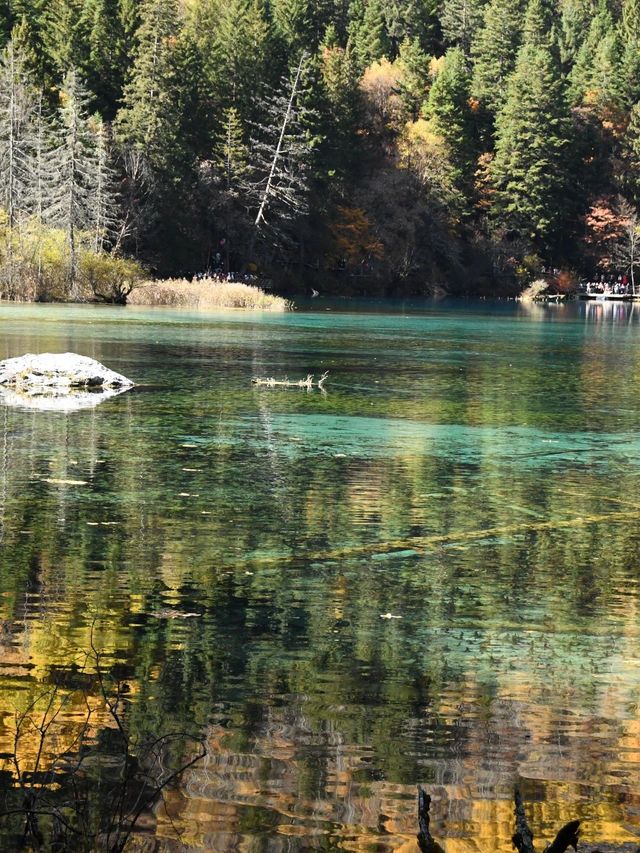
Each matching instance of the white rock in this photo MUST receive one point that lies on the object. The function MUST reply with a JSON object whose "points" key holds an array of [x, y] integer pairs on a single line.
{"points": [[58, 373]]}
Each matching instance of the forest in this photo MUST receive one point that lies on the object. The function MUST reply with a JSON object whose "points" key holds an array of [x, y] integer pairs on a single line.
{"points": [[354, 146]]}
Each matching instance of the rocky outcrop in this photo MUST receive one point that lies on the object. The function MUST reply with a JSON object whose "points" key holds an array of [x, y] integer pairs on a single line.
{"points": [[58, 382], [58, 372]]}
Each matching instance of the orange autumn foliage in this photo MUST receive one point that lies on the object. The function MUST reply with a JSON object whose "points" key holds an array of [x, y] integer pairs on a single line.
{"points": [[353, 236]]}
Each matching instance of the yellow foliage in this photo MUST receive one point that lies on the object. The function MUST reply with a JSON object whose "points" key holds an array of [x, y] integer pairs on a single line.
{"points": [[435, 65], [379, 85], [421, 148]]}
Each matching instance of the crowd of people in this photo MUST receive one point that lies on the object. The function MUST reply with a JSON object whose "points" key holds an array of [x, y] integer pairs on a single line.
{"points": [[607, 284]]}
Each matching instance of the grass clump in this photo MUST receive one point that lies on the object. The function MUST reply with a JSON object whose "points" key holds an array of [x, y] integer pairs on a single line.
{"points": [[207, 293]]}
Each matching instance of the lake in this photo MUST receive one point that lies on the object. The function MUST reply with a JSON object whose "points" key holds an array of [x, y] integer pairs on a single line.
{"points": [[429, 574]]}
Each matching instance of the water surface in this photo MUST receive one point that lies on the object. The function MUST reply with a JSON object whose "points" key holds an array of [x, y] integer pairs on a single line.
{"points": [[427, 575]]}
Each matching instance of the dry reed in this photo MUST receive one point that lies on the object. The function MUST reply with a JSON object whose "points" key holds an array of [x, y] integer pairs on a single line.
{"points": [[208, 293]]}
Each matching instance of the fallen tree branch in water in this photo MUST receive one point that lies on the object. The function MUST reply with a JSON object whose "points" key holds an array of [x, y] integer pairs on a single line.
{"points": [[307, 383]]}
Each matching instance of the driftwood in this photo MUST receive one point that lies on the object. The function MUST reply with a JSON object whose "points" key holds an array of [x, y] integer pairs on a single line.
{"points": [[307, 383], [522, 838]]}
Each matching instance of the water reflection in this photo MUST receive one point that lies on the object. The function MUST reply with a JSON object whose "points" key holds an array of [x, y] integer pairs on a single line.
{"points": [[474, 474], [50, 400]]}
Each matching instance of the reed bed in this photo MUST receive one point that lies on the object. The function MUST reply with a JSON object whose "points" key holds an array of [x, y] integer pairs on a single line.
{"points": [[207, 293]]}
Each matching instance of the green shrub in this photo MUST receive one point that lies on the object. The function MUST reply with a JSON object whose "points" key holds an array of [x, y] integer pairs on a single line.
{"points": [[35, 266], [108, 278]]}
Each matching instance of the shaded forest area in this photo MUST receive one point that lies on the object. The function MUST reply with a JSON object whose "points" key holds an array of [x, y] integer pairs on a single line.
{"points": [[360, 146]]}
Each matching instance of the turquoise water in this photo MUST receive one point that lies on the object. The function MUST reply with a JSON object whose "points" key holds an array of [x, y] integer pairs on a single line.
{"points": [[428, 574]]}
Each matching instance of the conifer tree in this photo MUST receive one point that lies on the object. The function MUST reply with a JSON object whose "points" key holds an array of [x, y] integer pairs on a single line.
{"points": [[6, 21], [495, 51], [529, 171], [26, 38], [280, 155], [629, 37], [128, 23], [301, 24], [233, 40], [16, 110], [414, 85], [368, 37], [64, 42], [630, 174], [410, 19], [141, 120], [460, 21], [230, 166], [540, 25], [103, 215], [103, 63], [448, 111], [575, 18], [582, 76], [74, 162], [340, 78]]}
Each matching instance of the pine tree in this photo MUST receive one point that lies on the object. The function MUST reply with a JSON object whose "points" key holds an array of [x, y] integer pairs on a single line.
{"points": [[414, 85], [529, 171], [230, 169], [186, 127], [103, 63], [26, 38], [128, 23], [233, 40], [631, 156], [449, 114], [495, 51], [460, 21], [575, 18], [368, 36], [64, 42], [582, 77], [16, 109], [540, 25], [103, 216], [340, 78], [301, 23], [74, 167], [141, 119], [629, 36], [6, 21]]}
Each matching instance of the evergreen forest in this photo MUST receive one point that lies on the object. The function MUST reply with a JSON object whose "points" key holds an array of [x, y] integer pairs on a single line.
{"points": [[359, 146]]}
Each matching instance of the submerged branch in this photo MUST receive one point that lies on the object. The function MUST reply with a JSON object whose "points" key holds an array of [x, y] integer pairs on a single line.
{"points": [[307, 383]]}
